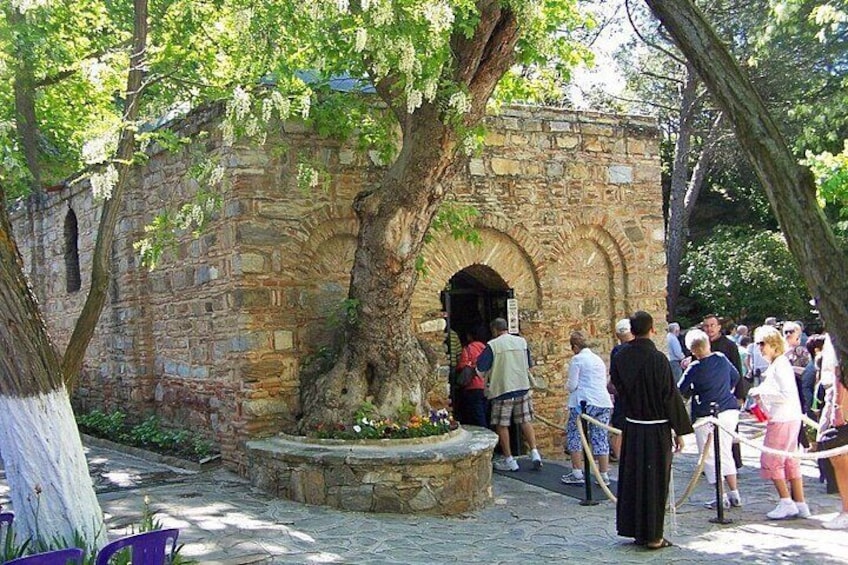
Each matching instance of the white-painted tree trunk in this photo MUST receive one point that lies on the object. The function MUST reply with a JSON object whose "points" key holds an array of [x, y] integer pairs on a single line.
{"points": [[52, 494]]}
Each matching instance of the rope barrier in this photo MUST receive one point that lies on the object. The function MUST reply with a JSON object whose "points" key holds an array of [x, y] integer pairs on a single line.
{"points": [[587, 450], [587, 453]]}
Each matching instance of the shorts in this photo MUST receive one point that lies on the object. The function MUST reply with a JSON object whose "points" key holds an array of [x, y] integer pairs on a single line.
{"points": [[782, 436], [598, 437], [518, 410]]}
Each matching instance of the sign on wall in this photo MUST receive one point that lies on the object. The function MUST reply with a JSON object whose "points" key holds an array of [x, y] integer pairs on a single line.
{"points": [[512, 315]]}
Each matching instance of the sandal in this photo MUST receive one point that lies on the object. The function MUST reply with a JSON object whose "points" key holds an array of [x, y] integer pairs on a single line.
{"points": [[662, 544]]}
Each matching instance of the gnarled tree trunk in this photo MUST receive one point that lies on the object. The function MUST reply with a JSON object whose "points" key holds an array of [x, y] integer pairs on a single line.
{"points": [[790, 187], [382, 361]]}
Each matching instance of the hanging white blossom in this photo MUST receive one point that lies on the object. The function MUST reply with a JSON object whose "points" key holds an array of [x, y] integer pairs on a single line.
{"points": [[239, 105], [439, 15], [100, 148], [430, 88], [360, 40], [282, 104], [24, 6], [228, 133], [406, 64], [414, 99], [103, 183], [342, 5], [305, 105], [459, 103]]}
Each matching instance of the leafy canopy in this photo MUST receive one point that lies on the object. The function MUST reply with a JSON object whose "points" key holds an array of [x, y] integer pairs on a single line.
{"points": [[745, 276]]}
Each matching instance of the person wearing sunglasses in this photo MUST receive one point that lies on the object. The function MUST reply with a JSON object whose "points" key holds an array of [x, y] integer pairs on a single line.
{"points": [[778, 397]]}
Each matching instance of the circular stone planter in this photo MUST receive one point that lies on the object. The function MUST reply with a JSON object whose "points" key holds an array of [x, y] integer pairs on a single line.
{"points": [[447, 474]]}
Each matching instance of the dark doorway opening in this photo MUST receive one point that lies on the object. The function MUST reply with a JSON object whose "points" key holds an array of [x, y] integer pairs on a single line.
{"points": [[473, 298]]}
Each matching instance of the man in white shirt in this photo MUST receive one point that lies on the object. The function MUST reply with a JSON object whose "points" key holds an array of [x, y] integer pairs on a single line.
{"points": [[675, 350]]}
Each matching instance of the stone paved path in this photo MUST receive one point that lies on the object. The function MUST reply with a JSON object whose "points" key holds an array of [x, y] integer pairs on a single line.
{"points": [[223, 520]]}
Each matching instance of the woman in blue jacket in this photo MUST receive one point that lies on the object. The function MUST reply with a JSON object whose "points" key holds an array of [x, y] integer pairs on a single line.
{"points": [[708, 380]]}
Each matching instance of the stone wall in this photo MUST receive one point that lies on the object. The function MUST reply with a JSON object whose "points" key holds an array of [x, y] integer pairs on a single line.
{"points": [[433, 475], [215, 337]]}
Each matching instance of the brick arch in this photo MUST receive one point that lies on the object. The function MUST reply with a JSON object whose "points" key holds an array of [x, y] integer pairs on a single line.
{"points": [[617, 253], [499, 251], [330, 235]]}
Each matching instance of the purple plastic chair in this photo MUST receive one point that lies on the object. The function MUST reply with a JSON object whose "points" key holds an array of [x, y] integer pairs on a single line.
{"points": [[149, 548], [58, 557]]}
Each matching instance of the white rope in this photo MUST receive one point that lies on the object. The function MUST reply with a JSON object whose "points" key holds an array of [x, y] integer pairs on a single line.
{"points": [[587, 453], [815, 455]]}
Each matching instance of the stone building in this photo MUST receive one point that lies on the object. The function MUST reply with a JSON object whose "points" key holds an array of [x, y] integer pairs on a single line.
{"points": [[214, 338]]}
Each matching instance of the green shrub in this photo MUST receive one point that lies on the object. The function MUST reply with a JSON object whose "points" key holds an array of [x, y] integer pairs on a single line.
{"points": [[745, 276]]}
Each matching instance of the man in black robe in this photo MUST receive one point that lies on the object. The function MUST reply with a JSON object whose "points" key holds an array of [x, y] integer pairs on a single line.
{"points": [[653, 408]]}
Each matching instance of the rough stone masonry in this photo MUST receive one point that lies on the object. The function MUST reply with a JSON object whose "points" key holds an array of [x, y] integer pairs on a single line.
{"points": [[214, 339]]}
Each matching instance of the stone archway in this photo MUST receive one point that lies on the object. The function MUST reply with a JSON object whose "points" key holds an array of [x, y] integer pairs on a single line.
{"points": [[499, 254]]}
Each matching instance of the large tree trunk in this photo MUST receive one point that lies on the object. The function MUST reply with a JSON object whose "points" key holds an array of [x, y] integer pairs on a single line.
{"points": [[51, 490], [382, 360], [676, 230], [45, 464], [790, 188]]}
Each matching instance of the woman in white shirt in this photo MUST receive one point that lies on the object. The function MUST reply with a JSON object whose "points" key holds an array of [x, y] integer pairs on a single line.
{"points": [[778, 396], [587, 381]]}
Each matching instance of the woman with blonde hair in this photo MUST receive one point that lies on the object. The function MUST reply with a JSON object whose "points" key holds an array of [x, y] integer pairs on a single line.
{"points": [[778, 397]]}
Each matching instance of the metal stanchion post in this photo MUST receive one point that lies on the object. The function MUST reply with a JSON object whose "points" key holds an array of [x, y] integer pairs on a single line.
{"points": [[719, 489], [587, 468]]}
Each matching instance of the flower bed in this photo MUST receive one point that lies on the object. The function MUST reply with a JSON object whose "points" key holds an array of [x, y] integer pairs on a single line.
{"points": [[437, 423]]}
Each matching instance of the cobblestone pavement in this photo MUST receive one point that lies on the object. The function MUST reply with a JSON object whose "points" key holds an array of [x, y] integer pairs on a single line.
{"points": [[223, 520]]}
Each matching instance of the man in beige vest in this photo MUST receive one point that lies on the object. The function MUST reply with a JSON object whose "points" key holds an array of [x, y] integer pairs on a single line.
{"points": [[505, 364]]}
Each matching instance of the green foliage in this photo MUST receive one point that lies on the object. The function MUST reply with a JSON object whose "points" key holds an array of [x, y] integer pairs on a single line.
{"points": [[831, 173], [745, 276], [148, 434]]}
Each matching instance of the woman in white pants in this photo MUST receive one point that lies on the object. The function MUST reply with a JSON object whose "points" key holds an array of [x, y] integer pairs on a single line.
{"points": [[710, 380]]}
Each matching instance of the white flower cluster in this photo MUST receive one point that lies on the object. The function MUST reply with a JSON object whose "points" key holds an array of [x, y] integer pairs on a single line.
{"points": [[360, 40], [282, 104], [439, 15], [93, 70], [102, 184], [228, 132], [430, 89], [459, 103], [239, 104], [383, 14], [470, 144], [342, 5], [406, 60], [242, 20], [365, 4], [190, 215], [99, 149], [414, 99], [305, 104], [24, 6], [216, 175], [307, 177]]}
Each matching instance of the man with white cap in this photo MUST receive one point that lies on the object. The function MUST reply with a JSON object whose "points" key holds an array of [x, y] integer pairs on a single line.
{"points": [[623, 334]]}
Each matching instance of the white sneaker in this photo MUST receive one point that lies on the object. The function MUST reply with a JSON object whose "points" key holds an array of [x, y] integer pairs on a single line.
{"points": [[712, 504], [838, 523], [735, 500], [572, 478], [783, 510], [605, 478], [803, 510], [506, 464], [536, 459]]}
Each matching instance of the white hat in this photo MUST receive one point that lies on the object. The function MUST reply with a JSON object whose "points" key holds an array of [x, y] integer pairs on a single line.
{"points": [[623, 326]]}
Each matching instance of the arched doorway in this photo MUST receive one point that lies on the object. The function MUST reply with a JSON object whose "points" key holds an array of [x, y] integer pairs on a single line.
{"points": [[472, 298]]}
